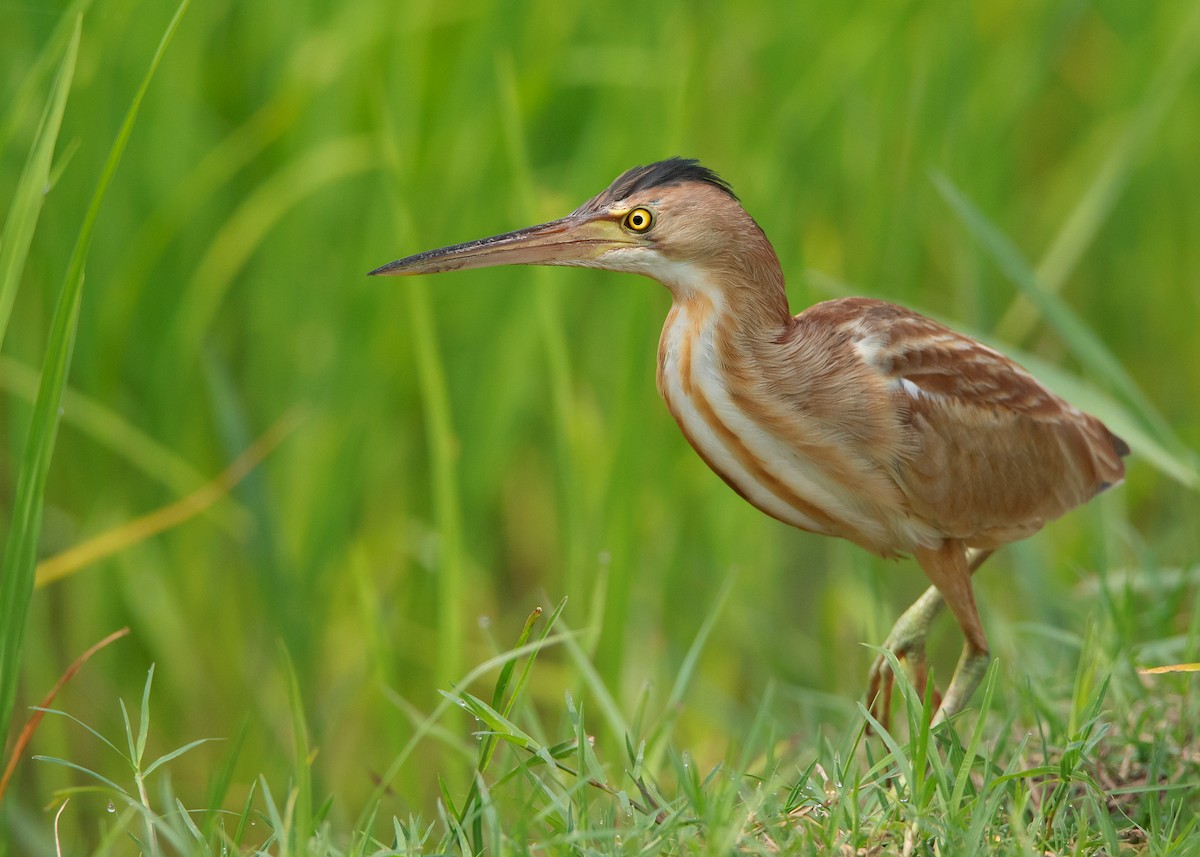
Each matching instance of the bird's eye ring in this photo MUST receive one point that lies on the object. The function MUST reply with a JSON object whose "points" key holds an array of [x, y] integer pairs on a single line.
{"points": [[638, 220]]}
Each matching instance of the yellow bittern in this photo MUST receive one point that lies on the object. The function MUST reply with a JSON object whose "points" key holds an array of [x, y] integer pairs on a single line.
{"points": [[856, 418]]}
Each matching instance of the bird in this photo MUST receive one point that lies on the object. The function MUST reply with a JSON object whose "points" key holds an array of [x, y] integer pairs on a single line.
{"points": [[855, 418]]}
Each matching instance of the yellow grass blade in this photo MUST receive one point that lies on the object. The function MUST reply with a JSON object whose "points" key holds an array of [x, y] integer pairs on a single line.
{"points": [[1170, 668], [151, 524]]}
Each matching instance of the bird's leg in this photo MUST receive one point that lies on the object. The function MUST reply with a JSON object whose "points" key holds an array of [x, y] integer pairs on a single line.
{"points": [[948, 569], [907, 642]]}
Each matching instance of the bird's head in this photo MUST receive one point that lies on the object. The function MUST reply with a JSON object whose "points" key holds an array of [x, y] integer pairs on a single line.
{"points": [[674, 221]]}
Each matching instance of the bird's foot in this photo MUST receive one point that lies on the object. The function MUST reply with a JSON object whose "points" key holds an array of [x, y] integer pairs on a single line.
{"points": [[907, 643], [882, 679]]}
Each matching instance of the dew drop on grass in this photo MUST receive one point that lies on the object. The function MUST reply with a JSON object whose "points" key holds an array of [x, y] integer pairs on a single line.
{"points": [[111, 807]]}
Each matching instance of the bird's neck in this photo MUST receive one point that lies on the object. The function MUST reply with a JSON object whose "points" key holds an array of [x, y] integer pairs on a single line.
{"points": [[741, 294], [725, 317], [713, 361], [728, 313]]}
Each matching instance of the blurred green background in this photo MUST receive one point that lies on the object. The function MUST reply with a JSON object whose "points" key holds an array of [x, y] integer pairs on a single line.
{"points": [[478, 444]]}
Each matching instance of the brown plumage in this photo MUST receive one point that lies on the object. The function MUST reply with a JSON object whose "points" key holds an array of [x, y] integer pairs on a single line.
{"points": [[856, 418]]}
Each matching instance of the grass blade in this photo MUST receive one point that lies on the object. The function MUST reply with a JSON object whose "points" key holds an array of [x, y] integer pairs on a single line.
{"points": [[248, 227], [443, 450], [20, 556], [27, 199], [972, 749], [18, 103], [1082, 342], [31, 725], [110, 429], [174, 754], [54, 760], [172, 515], [439, 425], [92, 731], [144, 719], [302, 775], [687, 670], [1100, 197]]}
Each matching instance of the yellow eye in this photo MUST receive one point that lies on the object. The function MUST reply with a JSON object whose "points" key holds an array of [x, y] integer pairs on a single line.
{"points": [[638, 220]]}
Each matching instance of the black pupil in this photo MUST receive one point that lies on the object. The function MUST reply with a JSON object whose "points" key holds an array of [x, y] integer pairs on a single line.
{"points": [[639, 220]]}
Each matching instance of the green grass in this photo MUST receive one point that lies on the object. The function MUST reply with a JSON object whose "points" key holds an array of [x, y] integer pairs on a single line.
{"points": [[1084, 778], [480, 444]]}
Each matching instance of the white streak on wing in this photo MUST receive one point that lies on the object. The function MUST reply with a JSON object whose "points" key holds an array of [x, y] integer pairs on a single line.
{"points": [[871, 351], [912, 389]]}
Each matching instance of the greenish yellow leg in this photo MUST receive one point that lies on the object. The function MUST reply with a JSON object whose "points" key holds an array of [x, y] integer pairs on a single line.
{"points": [[950, 568], [967, 676], [907, 642]]}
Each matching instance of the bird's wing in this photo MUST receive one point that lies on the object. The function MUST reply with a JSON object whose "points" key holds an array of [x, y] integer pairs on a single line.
{"points": [[994, 453]]}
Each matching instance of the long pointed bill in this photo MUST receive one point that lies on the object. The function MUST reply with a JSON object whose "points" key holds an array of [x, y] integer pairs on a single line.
{"points": [[573, 240]]}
